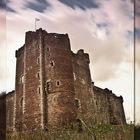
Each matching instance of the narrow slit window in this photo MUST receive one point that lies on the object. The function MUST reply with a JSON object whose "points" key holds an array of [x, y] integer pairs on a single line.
{"points": [[38, 75], [21, 102], [57, 83], [96, 103], [38, 90], [38, 60], [52, 63], [48, 49]]}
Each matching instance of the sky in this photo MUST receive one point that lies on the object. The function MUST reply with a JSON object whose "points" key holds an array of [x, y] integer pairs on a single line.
{"points": [[103, 28]]}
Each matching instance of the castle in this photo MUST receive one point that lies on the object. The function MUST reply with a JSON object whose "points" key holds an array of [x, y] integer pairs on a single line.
{"points": [[54, 88]]}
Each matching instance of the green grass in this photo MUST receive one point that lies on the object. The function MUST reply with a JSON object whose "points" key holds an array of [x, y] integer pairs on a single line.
{"points": [[98, 132]]}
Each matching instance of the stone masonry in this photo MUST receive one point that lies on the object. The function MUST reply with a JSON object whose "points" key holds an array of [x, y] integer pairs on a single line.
{"points": [[54, 87]]}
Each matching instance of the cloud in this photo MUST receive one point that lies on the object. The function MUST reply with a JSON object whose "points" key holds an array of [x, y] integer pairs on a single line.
{"points": [[105, 37], [82, 4], [2, 49], [104, 32], [9, 9], [38, 5], [2, 4]]}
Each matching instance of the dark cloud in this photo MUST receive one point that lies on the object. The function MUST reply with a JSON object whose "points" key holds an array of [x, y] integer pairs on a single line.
{"points": [[9, 9], [2, 4], [82, 4], [38, 5]]}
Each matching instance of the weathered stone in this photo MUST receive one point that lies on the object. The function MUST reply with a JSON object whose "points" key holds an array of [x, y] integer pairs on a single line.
{"points": [[54, 87]]}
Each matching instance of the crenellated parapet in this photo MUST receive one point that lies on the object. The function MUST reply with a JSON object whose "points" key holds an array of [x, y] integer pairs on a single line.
{"points": [[54, 89], [109, 107]]}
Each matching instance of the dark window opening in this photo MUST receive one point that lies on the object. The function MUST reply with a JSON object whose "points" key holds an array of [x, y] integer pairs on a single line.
{"points": [[52, 63], [38, 75], [77, 103], [58, 83], [48, 49], [96, 103], [38, 90], [21, 102]]}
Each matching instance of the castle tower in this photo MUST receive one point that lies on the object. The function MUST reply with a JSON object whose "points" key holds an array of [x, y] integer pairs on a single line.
{"points": [[44, 97], [83, 86], [54, 87], [59, 82], [18, 97]]}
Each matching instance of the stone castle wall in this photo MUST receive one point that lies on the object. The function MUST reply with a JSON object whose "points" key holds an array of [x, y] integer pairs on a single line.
{"points": [[83, 86], [54, 87], [10, 111], [44, 82], [109, 107], [3, 115], [59, 82], [18, 105]]}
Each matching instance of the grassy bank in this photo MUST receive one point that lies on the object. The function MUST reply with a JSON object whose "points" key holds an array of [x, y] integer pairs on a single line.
{"points": [[100, 132]]}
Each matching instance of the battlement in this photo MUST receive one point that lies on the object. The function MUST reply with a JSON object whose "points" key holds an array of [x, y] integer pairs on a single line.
{"points": [[54, 87], [82, 55], [19, 51], [107, 92], [34, 35]]}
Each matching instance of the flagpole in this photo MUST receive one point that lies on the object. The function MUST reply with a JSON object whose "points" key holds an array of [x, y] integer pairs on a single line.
{"points": [[36, 19]]}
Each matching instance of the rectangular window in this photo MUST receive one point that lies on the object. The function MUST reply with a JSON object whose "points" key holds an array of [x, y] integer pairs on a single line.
{"points": [[38, 90], [38, 75], [57, 83]]}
